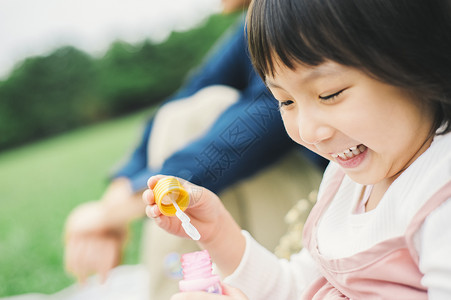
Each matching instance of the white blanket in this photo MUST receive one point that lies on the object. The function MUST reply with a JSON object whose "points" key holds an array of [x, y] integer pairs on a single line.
{"points": [[126, 282]]}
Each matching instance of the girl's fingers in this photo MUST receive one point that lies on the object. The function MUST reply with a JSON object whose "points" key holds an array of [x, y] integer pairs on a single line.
{"points": [[148, 197], [230, 293], [153, 180], [234, 293], [199, 296], [195, 192], [152, 211]]}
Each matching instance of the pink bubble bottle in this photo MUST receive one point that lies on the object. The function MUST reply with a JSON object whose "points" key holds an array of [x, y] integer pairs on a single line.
{"points": [[197, 273]]}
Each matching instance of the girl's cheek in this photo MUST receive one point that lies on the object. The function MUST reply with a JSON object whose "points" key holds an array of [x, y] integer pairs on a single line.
{"points": [[292, 129]]}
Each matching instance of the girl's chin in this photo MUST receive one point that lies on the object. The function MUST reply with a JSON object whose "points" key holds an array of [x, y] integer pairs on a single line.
{"points": [[360, 170]]}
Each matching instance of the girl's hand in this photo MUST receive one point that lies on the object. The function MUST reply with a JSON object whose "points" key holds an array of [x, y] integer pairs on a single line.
{"points": [[230, 293], [216, 226], [205, 210]]}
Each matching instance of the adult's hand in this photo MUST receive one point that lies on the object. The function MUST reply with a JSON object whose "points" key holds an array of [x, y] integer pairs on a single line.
{"points": [[92, 245]]}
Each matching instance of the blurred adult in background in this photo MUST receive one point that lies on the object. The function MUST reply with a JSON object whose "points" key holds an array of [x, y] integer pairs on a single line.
{"points": [[221, 130]]}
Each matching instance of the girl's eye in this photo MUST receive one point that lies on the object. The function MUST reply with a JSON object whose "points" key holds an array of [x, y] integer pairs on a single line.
{"points": [[283, 104], [331, 97]]}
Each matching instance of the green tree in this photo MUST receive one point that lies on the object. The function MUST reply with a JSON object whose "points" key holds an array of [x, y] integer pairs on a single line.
{"points": [[47, 95]]}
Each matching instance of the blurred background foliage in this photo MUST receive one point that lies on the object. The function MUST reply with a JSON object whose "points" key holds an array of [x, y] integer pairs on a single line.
{"points": [[47, 95], [100, 104]]}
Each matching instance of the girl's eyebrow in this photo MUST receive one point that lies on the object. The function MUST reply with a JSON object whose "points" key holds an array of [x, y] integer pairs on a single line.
{"points": [[271, 84], [311, 74]]}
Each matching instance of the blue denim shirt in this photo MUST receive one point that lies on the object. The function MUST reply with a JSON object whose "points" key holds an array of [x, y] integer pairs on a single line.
{"points": [[246, 138]]}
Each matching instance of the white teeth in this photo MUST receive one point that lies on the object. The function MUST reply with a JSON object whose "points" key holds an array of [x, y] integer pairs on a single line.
{"points": [[349, 153]]}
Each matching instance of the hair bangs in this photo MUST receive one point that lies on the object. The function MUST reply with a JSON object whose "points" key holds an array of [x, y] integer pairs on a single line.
{"points": [[274, 40], [401, 43]]}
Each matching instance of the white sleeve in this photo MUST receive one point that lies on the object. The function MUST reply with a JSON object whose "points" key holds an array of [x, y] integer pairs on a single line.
{"points": [[433, 242], [261, 275]]}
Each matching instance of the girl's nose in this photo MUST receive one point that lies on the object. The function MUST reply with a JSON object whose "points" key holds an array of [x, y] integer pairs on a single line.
{"points": [[312, 128]]}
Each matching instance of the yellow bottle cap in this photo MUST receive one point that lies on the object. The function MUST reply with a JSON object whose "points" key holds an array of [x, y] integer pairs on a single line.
{"points": [[170, 188]]}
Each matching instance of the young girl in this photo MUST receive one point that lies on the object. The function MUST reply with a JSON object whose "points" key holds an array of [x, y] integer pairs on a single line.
{"points": [[366, 84]]}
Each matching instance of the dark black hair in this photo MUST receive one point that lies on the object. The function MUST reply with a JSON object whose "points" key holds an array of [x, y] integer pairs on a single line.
{"points": [[405, 43]]}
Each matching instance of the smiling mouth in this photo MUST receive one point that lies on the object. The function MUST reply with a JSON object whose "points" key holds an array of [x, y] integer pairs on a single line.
{"points": [[350, 153]]}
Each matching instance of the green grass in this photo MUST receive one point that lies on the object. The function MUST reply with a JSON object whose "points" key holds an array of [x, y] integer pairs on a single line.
{"points": [[40, 184]]}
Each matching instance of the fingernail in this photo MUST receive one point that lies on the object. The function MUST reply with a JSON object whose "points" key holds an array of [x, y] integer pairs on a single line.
{"points": [[156, 210], [149, 211], [149, 180]]}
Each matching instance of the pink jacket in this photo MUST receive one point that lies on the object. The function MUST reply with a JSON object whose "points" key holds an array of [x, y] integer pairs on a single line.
{"points": [[388, 270]]}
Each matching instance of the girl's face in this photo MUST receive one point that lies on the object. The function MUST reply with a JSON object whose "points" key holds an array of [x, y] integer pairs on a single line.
{"points": [[373, 130]]}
